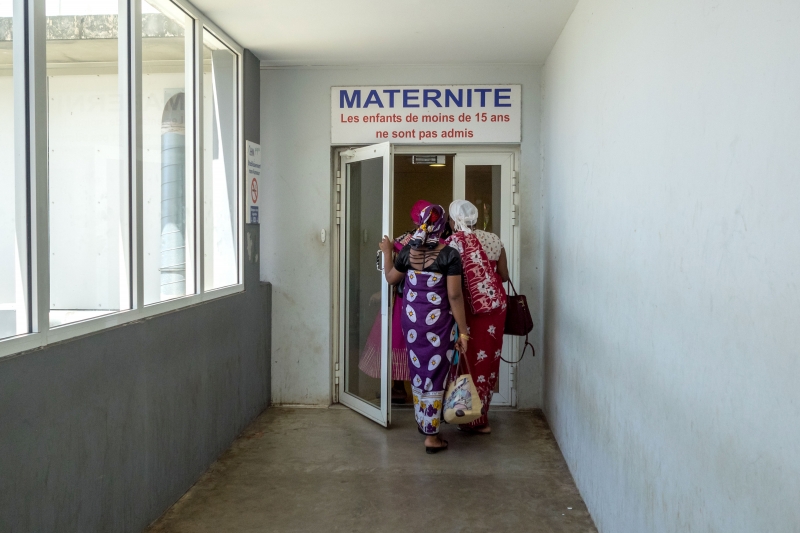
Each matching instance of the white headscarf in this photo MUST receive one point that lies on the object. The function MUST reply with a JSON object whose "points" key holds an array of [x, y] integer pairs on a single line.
{"points": [[464, 215]]}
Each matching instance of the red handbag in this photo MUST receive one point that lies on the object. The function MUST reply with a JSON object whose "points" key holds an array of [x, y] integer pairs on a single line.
{"points": [[518, 320]]}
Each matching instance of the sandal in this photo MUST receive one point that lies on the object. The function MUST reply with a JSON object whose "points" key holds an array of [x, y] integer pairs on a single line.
{"points": [[436, 449]]}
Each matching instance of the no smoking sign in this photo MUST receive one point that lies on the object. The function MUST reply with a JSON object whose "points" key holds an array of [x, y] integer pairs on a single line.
{"points": [[254, 173], [254, 190]]}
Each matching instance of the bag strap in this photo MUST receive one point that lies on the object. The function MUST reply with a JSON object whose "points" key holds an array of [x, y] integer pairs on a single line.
{"points": [[459, 357], [524, 349], [513, 288]]}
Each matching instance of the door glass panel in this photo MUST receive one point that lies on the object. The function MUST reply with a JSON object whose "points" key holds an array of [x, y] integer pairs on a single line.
{"points": [[413, 181], [363, 319], [482, 188]]}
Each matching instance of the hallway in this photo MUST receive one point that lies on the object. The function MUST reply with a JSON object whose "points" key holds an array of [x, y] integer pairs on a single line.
{"points": [[333, 470], [200, 327]]}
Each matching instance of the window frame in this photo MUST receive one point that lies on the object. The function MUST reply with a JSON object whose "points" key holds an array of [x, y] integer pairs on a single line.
{"points": [[33, 86]]}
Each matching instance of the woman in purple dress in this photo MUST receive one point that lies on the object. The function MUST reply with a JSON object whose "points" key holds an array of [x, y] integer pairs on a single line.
{"points": [[432, 305]]}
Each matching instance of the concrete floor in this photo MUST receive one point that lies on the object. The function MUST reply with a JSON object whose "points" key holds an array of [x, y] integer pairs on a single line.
{"points": [[333, 470]]}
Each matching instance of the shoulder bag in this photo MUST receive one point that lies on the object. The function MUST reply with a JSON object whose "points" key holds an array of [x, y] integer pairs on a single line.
{"points": [[518, 319], [462, 403]]}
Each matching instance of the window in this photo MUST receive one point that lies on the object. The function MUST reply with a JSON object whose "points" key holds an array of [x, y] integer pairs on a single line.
{"points": [[168, 157], [13, 186], [220, 141], [119, 165], [88, 188]]}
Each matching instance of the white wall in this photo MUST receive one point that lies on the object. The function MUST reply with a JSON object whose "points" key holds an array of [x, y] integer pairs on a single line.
{"points": [[296, 189], [671, 135]]}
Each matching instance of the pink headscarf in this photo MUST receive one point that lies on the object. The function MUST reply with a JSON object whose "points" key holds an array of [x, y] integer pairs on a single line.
{"points": [[417, 209], [416, 217]]}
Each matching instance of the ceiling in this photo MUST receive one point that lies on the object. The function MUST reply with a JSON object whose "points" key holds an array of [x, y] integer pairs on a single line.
{"points": [[402, 32]]}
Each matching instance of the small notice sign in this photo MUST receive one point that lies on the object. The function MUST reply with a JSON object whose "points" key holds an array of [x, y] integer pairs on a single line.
{"points": [[426, 114], [253, 178]]}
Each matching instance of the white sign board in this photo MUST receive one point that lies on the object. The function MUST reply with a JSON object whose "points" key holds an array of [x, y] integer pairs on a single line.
{"points": [[426, 114], [253, 179]]}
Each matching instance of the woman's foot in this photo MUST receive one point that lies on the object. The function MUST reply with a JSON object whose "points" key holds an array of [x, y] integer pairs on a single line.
{"points": [[482, 430], [435, 444]]}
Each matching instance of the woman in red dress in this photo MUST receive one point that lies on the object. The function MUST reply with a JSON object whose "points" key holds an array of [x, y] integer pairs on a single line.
{"points": [[485, 268]]}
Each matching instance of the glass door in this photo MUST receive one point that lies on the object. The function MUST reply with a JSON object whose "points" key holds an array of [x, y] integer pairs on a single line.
{"points": [[487, 180], [364, 294]]}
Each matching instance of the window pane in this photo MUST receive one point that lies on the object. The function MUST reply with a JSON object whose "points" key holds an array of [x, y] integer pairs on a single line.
{"points": [[220, 183], [167, 140], [88, 189], [13, 193]]}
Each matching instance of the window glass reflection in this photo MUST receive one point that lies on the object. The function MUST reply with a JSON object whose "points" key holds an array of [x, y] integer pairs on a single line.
{"points": [[13, 211], [220, 163], [167, 137], [88, 188]]}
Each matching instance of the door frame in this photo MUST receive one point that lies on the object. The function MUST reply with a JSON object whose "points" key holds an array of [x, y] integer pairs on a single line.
{"points": [[336, 367], [509, 209]]}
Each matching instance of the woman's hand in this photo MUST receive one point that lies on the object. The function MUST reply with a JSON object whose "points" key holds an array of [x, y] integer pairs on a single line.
{"points": [[393, 277], [386, 246], [461, 345]]}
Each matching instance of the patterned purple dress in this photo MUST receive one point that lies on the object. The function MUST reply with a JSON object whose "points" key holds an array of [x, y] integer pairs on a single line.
{"points": [[429, 329]]}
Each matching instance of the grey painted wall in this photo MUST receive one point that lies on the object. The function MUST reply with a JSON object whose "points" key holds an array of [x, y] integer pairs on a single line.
{"points": [[671, 182], [103, 433], [251, 89]]}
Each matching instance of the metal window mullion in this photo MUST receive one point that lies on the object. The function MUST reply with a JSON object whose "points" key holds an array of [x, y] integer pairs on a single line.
{"points": [[130, 84], [241, 164], [199, 197], [37, 147]]}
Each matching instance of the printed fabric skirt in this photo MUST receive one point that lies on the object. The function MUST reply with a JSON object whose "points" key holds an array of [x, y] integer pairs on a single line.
{"points": [[429, 330], [370, 360], [483, 355]]}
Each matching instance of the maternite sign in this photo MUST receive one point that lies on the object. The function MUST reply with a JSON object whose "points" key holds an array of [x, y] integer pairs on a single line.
{"points": [[426, 114]]}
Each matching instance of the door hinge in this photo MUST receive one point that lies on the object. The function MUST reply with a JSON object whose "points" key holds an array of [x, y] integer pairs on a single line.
{"points": [[514, 214], [336, 374], [338, 215], [514, 181]]}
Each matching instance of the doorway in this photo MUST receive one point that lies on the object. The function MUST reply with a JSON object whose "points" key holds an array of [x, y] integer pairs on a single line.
{"points": [[376, 187]]}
